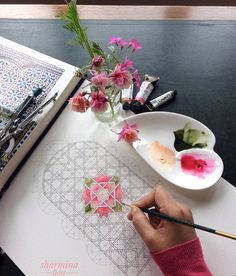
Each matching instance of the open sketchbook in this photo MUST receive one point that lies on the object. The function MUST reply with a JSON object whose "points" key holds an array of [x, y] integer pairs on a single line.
{"points": [[23, 70]]}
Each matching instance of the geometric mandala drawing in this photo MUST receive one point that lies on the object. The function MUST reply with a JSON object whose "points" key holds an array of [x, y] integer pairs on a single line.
{"points": [[112, 235], [102, 195]]}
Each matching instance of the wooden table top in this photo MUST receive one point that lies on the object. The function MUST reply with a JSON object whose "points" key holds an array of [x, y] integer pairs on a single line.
{"points": [[122, 12]]}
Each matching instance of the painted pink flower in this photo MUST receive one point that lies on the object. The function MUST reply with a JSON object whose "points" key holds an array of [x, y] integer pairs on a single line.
{"points": [[134, 45], [79, 103], [98, 61], [127, 64], [102, 195], [129, 133], [98, 102], [102, 178], [121, 78], [137, 80], [197, 164], [100, 80]]}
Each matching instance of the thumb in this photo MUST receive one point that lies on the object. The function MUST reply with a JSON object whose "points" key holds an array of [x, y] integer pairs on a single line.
{"points": [[142, 224]]}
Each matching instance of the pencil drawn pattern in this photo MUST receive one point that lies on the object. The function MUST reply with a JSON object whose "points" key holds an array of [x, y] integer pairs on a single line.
{"points": [[110, 239]]}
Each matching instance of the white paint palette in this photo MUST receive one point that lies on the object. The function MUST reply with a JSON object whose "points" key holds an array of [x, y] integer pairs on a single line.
{"points": [[194, 168]]}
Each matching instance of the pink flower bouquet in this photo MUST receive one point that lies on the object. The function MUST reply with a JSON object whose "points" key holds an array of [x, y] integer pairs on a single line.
{"points": [[108, 72]]}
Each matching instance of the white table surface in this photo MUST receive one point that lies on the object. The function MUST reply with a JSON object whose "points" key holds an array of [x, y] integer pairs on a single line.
{"points": [[32, 230]]}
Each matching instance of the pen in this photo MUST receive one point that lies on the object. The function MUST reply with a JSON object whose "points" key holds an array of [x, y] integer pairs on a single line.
{"points": [[155, 212]]}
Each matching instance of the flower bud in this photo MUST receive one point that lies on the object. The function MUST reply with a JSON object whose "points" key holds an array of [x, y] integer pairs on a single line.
{"points": [[98, 61]]}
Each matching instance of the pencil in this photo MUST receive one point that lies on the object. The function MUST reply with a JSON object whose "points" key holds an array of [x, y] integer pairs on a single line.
{"points": [[155, 212]]}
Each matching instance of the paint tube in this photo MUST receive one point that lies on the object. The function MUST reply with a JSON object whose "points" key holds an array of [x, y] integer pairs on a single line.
{"points": [[127, 97], [153, 104], [146, 88]]}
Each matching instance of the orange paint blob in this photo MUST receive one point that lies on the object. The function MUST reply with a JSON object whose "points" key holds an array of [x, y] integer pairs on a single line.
{"points": [[161, 155]]}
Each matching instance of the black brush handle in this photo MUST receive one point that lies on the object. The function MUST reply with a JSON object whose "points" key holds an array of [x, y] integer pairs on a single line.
{"points": [[155, 212]]}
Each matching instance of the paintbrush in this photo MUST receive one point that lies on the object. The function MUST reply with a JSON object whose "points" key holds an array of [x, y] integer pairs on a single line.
{"points": [[155, 212]]}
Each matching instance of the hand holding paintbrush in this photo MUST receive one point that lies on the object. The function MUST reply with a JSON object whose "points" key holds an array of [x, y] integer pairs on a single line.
{"points": [[169, 230], [169, 233], [157, 233]]}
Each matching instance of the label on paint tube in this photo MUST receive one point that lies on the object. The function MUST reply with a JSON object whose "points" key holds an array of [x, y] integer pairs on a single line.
{"points": [[127, 94], [145, 90], [153, 104]]}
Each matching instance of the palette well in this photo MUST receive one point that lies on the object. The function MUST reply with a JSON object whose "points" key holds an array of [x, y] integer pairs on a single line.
{"points": [[193, 168]]}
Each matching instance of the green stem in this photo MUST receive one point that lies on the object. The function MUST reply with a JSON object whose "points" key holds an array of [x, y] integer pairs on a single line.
{"points": [[88, 47], [111, 106]]}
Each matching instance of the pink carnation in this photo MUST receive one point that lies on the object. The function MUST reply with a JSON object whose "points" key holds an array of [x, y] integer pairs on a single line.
{"points": [[115, 40], [123, 43], [98, 61], [79, 103], [127, 64], [129, 133], [121, 78], [98, 102], [118, 41], [134, 45], [100, 80]]}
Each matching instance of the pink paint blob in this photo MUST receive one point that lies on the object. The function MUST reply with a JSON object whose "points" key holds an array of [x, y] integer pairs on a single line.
{"points": [[197, 164]]}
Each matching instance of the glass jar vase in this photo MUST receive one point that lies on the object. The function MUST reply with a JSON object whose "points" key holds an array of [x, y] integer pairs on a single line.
{"points": [[114, 106]]}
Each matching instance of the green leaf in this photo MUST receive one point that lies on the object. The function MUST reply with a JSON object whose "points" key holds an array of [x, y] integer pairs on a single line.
{"points": [[97, 49], [73, 24], [111, 48]]}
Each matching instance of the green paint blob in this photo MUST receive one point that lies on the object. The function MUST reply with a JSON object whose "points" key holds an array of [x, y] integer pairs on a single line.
{"points": [[188, 138]]}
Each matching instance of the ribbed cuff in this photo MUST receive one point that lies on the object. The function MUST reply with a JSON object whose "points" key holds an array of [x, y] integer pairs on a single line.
{"points": [[185, 259]]}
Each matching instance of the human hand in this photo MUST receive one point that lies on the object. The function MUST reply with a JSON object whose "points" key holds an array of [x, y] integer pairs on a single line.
{"points": [[159, 234]]}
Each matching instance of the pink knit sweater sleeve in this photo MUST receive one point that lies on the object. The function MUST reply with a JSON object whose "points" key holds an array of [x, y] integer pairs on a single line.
{"points": [[185, 259]]}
